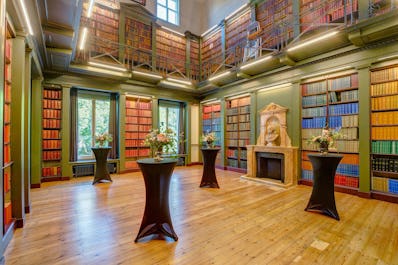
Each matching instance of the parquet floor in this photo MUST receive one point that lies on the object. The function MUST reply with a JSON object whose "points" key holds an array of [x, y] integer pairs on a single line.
{"points": [[243, 222]]}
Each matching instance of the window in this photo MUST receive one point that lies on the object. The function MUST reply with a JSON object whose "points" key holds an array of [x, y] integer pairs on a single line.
{"points": [[93, 114], [168, 10], [171, 115]]}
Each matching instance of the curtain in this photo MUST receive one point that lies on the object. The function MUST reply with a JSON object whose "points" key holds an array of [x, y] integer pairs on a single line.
{"points": [[73, 125]]}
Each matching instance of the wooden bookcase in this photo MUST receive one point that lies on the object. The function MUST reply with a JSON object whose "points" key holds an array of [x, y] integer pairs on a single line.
{"points": [[384, 129], [137, 125], [172, 51], [51, 134], [237, 132], [326, 11], [211, 122], [103, 24], [275, 18], [235, 37], [194, 59], [138, 35], [7, 159], [333, 100], [211, 51]]}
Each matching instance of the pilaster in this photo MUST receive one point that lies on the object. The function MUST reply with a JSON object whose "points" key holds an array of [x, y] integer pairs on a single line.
{"points": [[27, 113], [35, 148]]}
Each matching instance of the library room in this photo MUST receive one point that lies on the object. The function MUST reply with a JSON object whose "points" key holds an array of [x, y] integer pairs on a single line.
{"points": [[199, 132]]}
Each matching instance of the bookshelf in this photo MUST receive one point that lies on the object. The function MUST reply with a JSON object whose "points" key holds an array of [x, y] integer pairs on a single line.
{"points": [[138, 35], [172, 51], [335, 100], [7, 159], [211, 51], [237, 132], [275, 18], [384, 129], [137, 125], [194, 58], [103, 24], [211, 122], [326, 11], [51, 134], [236, 35]]}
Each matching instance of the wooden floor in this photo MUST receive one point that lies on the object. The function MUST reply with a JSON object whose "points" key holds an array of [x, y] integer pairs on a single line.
{"points": [[243, 222]]}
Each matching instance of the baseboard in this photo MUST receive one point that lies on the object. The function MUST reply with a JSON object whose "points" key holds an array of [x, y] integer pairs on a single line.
{"points": [[366, 195], [35, 185], [19, 223], [384, 197], [194, 164]]}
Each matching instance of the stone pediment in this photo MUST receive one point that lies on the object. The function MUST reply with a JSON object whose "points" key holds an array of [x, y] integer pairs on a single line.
{"points": [[273, 108]]}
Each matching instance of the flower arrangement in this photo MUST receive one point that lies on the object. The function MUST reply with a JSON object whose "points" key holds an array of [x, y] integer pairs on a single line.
{"points": [[101, 138], [157, 139], [327, 139], [209, 138]]}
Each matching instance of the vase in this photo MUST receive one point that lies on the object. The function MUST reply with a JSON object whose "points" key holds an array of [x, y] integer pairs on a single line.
{"points": [[324, 147], [158, 154]]}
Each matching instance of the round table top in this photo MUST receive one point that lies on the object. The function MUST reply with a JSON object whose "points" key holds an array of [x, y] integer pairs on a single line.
{"points": [[152, 161]]}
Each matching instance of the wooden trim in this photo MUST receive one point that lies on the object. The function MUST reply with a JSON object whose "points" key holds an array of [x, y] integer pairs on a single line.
{"points": [[35, 185], [366, 195], [348, 190], [221, 167], [27, 209], [305, 182], [384, 197], [19, 223], [194, 164], [49, 179]]}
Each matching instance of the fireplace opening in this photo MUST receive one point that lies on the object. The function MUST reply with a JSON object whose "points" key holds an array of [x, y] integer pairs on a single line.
{"points": [[270, 165]]}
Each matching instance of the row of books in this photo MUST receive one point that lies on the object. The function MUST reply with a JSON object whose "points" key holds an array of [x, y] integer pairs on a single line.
{"points": [[385, 103], [344, 146], [7, 112], [214, 115], [52, 104], [352, 159], [384, 118], [351, 95], [51, 144], [313, 112], [385, 133], [131, 164], [138, 112], [385, 75], [135, 135], [6, 154], [142, 152], [51, 124], [241, 102], [346, 181], [384, 88], [238, 143], [212, 128], [7, 182], [51, 155], [343, 82], [238, 118], [51, 171], [315, 100], [342, 109], [6, 133], [385, 185], [348, 169], [314, 88], [7, 73], [385, 164], [51, 134], [343, 121], [51, 114], [237, 164], [385, 147], [172, 38], [140, 120], [8, 50], [211, 108], [316, 122], [136, 104], [137, 128], [215, 121], [52, 94], [7, 92]]}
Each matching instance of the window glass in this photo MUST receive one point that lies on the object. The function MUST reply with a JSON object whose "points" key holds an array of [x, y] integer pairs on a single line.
{"points": [[93, 112], [168, 10]]}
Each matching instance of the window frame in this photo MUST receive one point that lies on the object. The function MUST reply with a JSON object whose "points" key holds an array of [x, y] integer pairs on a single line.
{"points": [[177, 11]]}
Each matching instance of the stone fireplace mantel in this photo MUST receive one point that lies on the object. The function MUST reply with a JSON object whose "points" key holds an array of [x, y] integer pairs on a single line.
{"points": [[290, 165]]}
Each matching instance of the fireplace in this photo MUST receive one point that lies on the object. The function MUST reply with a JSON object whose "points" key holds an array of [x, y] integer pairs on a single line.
{"points": [[270, 165]]}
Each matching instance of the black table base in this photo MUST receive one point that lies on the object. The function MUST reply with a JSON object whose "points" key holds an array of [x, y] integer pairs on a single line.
{"points": [[157, 176], [101, 165], [322, 197], [209, 179]]}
